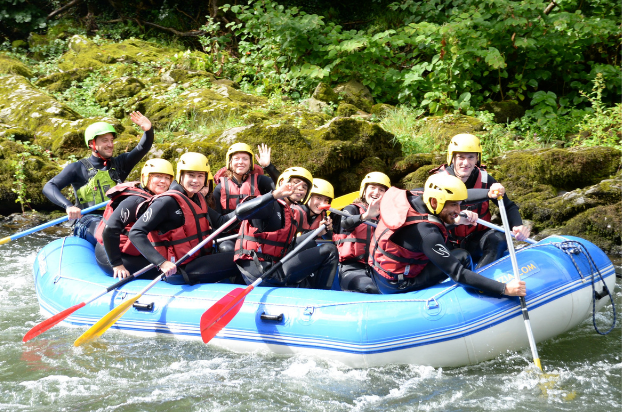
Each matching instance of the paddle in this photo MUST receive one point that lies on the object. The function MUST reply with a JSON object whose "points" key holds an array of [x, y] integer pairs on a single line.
{"points": [[109, 319], [48, 224], [523, 304], [343, 201], [220, 313], [499, 228], [341, 213], [59, 317]]}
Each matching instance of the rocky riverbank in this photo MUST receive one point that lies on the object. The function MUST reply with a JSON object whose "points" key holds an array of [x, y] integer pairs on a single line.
{"points": [[334, 134]]}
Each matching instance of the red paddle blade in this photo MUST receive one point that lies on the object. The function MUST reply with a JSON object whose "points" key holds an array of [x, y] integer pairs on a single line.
{"points": [[221, 312], [324, 206], [51, 322]]}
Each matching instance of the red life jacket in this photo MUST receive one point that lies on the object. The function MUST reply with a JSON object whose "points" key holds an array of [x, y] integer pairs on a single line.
{"points": [[117, 194], [303, 214], [231, 194], [267, 246], [355, 245], [460, 232], [388, 259], [175, 243]]}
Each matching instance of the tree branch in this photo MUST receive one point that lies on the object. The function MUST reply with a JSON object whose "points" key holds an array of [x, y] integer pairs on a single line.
{"points": [[193, 33], [65, 7], [550, 7]]}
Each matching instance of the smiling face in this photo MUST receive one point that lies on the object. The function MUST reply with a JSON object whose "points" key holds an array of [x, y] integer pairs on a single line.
{"points": [[159, 182], [450, 211], [464, 163], [104, 144], [301, 192], [240, 163], [192, 181], [315, 201], [373, 192]]}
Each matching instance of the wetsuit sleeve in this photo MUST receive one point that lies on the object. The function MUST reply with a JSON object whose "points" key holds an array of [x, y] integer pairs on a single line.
{"points": [[273, 172], [265, 184], [217, 219], [348, 224], [161, 216], [73, 173], [127, 161], [124, 214], [426, 237], [216, 196], [511, 208]]}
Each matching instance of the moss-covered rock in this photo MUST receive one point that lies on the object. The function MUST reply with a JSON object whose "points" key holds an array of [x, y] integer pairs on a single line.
{"points": [[325, 93], [357, 94], [121, 88], [9, 65], [83, 53], [347, 110], [381, 109], [417, 178], [505, 112], [414, 161], [565, 169], [60, 81], [446, 127], [37, 170], [184, 76]]}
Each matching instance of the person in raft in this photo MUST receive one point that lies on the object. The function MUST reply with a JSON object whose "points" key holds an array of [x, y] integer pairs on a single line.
{"points": [[321, 193], [464, 156], [270, 234], [179, 219], [408, 250], [114, 252], [241, 177], [355, 236], [92, 177]]}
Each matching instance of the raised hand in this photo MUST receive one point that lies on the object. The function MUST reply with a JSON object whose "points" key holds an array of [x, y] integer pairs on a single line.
{"points": [[140, 120], [263, 155], [287, 189]]}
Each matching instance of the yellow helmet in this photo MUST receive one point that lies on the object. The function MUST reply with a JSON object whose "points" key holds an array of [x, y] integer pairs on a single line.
{"points": [[239, 147], [193, 162], [443, 187], [155, 166], [299, 172], [464, 143], [377, 178], [323, 188]]}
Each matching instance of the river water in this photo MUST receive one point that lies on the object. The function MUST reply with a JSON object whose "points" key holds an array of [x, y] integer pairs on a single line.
{"points": [[122, 372]]}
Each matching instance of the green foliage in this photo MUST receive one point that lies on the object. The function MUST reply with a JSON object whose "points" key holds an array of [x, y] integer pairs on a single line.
{"points": [[409, 128], [19, 167], [444, 56], [22, 16], [80, 96], [604, 125]]}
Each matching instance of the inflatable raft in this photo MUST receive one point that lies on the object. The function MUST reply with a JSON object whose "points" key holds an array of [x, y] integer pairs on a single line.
{"points": [[443, 326]]}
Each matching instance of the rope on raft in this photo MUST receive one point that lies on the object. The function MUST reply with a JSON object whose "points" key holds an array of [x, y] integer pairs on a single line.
{"points": [[572, 247]]}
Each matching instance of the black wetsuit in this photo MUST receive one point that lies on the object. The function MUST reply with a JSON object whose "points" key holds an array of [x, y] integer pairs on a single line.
{"points": [[76, 175], [265, 185], [486, 246], [109, 254], [313, 267], [426, 238], [354, 275], [165, 214]]}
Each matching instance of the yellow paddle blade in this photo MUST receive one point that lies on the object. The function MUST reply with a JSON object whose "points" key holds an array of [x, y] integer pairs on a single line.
{"points": [[343, 201], [106, 322], [5, 240]]}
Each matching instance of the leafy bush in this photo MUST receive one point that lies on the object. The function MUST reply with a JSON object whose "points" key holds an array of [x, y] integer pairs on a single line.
{"points": [[444, 56]]}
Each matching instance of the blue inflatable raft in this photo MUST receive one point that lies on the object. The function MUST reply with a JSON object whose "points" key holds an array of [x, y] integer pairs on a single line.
{"points": [[444, 326]]}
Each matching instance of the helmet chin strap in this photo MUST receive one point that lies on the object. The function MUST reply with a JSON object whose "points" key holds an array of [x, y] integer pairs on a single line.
{"points": [[96, 152]]}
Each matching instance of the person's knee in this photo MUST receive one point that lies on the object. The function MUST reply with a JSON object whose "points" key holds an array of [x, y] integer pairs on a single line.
{"points": [[463, 256], [227, 246], [329, 250]]}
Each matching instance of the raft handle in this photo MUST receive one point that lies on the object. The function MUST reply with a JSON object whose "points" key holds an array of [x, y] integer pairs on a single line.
{"points": [[143, 306], [274, 318], [602, 293]]}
